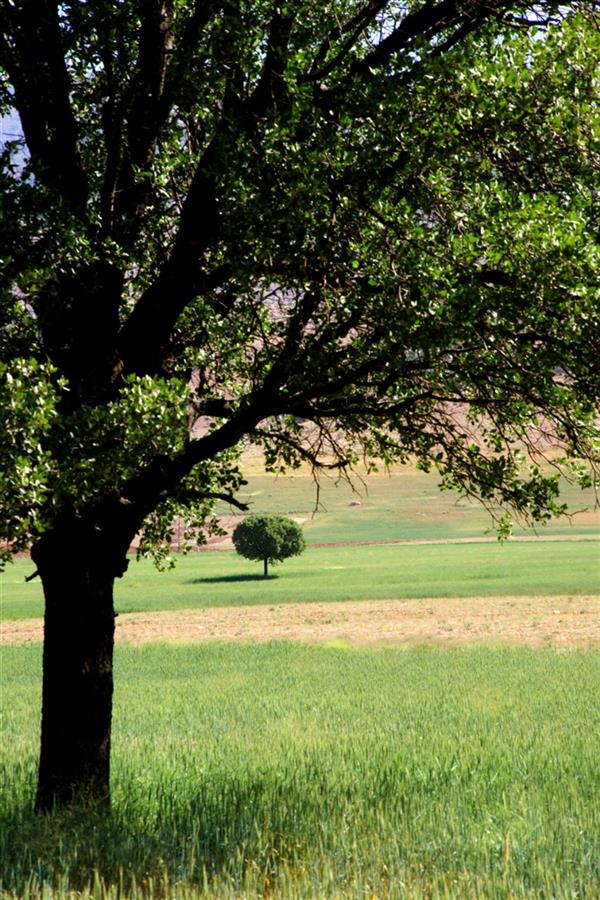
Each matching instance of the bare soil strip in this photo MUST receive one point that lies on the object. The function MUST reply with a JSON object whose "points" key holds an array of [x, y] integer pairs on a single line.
{"points": [[567, 621]]}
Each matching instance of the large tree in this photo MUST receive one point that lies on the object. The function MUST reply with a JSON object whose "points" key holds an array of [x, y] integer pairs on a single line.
{"points": [[332, 228]]}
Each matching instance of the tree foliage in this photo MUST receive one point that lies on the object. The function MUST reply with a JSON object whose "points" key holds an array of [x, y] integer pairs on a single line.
{"points": [[270, 539], [375, 218]]}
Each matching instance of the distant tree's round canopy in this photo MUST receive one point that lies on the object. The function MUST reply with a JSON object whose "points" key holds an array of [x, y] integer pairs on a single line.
{"points": [[270, 539], [339, 231]]}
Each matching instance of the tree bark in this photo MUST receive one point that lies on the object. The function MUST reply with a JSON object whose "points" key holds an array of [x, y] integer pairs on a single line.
{"points": [[266, 568], [77, 670]]}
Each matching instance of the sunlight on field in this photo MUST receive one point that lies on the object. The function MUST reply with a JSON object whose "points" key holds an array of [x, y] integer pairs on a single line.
{"points": [[255, 769], [342, 573], [297, 771], [405, 504]]}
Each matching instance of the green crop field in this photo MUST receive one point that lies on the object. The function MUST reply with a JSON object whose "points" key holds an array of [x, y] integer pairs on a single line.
{"points": [[341, 573], [297, 771]]}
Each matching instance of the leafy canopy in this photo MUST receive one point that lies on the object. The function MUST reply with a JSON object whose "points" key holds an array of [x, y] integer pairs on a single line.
{"points": [[268, 538], [332, 229]]}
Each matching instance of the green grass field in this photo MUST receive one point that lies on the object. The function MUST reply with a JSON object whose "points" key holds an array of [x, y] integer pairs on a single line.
{"points": [[340, 573], [297, 771], [282, 770], [406, 505]]}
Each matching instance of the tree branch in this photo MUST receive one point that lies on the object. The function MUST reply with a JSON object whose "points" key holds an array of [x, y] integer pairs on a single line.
{"points": [[147, 112], [163, 475], [188, 496], [270, 90], [146, 333], [31, 51], [160, 77], [355, 27], [302, 451], [423, 22], [426, 22]]}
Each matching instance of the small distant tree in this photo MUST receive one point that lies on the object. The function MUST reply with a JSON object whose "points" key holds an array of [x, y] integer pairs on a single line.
{"points": [[270, 538]]}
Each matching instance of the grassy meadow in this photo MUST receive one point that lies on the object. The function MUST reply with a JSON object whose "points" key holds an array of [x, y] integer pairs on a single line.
{"points": [[405, 504], [323, 574], [297, 771]]}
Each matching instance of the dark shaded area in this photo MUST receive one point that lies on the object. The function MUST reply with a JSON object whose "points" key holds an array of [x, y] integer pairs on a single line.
{"points": [[221, 812], [226, 579]]}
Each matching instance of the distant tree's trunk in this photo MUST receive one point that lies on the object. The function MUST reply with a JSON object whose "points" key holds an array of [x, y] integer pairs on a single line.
{"points": [[266, 569], [78, 577]]}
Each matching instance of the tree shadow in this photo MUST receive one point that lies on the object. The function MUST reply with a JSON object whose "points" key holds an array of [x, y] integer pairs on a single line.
{"points": [[210, 830], [230, 579]]}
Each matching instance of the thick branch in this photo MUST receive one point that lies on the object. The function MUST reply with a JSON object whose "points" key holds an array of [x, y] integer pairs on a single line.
{"points": [[160, 78], [147, 332], [270, 90], [144, 338], [162, 477], [31, 51], [146, 113], [424, 22], [187, 497]]}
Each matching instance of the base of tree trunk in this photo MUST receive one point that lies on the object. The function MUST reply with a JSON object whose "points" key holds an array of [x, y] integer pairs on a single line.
{"points": [[77, 676]]}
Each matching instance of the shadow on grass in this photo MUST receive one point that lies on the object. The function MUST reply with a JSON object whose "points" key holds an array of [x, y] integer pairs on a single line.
{"points": [[209, 831], [230, 579]]}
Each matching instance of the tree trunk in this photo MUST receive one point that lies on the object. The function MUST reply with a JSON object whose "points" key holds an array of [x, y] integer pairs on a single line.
{"points": [[266, 568], [77, 670]]}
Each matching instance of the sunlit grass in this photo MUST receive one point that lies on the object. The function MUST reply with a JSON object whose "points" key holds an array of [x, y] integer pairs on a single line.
{"points": [[313, 772], [341, 573], [405, 505]]}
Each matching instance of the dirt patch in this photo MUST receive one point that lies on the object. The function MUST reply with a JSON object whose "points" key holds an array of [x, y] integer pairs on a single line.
{"points": [[559, 621]]}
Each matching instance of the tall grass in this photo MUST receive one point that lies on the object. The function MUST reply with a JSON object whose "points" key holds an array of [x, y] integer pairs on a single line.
{"points": [[297, 771]]}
